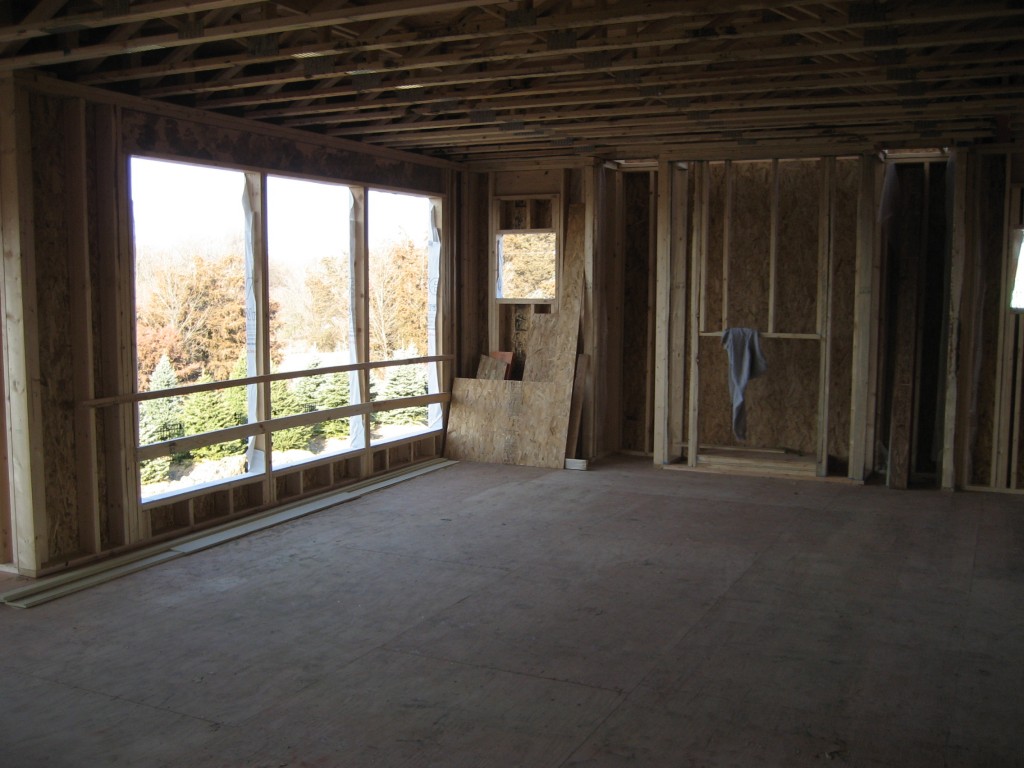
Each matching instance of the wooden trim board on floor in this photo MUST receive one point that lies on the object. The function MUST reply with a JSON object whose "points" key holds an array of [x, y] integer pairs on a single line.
{"points": [[752, 461]]}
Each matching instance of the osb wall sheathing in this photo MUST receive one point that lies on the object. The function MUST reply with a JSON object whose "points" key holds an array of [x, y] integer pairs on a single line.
{"points": [[986, 244], [636, 210], [796, 280], [51, 232], [844, 264], [526, 422], [750, 246], [711, 276], [782, 405]]}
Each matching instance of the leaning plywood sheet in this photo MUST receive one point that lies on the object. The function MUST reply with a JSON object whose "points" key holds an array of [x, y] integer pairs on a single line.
{"points": [[527, 422], [507, 422], [491, 368]]}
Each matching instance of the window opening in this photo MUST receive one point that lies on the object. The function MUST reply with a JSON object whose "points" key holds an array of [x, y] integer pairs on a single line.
{"points": [[191, 327]]}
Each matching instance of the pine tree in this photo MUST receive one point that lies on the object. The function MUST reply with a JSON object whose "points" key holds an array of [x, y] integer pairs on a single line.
{"points": [[159, 420], [237, 398], [335, 393], [284, 403], [307, 394], [207, 412], [405, 381]]}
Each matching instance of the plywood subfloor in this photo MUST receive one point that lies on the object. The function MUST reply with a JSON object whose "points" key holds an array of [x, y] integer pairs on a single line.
{"points": [[514, 616]]}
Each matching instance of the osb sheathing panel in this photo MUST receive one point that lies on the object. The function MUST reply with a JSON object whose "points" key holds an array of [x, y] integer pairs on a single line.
{"points": [[491, 368], [844, 262], [796, 280], [147, 133], [782, 405], [508, 422], [53, 288], [526, 422], [636, 212], [534, 182], [988, 249], [750, 246], [711, 309]]}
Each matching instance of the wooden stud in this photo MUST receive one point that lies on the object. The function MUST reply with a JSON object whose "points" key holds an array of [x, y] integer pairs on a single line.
{"points": [[256, 190], [1013, 221], [1015, 431], [652, 276], [863, 319], [922, 261], [576, 405], [20, 338], [1004, 393], [773, 246], [615, 280], [904, 355], [698, 260], [360, 341], [956, 285], [826, 217], [663, 309], [591, 301], [677, 314], [494, 224], [726, 242], [114, 269], [87, 491]]}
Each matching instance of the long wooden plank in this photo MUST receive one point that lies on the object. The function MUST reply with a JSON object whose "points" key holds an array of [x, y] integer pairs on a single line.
{"points": [[86, 463], [677, 314], [493, 316], [862, 318], [826, 218], [727, 241], [1013, 221], [576, 405], [698, 260], [662, 313], [20, 337], [592, 303], [1004, 394], [956, 284], [652, 277], [904, 351]]}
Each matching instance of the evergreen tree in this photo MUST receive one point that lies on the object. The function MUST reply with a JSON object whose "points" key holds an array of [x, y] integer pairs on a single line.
{"points": [[237, 398], [307, 394], [405, 381], [206, 412], [284, 403], [335, 393], [159, 420]]}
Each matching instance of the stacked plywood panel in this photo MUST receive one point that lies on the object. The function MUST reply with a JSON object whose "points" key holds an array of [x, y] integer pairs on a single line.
{"points": [[527, 422]]}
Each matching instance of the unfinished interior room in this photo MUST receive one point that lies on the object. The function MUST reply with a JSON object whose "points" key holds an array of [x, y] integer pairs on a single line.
{"points": [[541, 383]]}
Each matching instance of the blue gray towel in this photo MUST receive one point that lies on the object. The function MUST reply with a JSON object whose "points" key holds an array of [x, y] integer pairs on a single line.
{"points": [[743, 347]]}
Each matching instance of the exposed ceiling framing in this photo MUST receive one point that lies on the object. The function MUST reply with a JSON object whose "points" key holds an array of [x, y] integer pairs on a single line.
{"points": [[490, 81]]}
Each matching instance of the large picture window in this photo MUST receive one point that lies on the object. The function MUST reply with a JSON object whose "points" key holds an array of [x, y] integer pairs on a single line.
{"points": [[273, 279]]}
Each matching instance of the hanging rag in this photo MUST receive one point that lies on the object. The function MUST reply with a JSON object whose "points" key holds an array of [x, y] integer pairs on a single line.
{"points": [[743, 347]]}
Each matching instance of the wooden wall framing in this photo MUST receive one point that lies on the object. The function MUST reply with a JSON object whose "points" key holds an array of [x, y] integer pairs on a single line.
{"points": [[773, 247], [70, 425]]}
